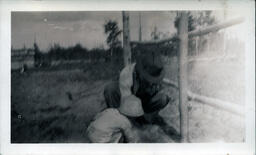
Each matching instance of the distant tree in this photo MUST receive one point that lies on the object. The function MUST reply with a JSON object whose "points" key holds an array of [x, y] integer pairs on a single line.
{"points": [[37, 56], [97, 54], [168, 48], [54, 52], [78, 47], [155, 34], [197, 19], [24, 47], [112, 30], [78, 52]]}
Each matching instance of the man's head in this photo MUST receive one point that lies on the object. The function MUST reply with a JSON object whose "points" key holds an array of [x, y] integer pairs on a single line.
{"points": [[149, 67], [150, 70]]}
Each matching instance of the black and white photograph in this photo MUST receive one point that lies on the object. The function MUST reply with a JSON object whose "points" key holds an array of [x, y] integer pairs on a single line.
{"points": [[127, 77]]}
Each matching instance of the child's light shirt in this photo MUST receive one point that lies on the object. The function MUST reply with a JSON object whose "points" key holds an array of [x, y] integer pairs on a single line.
{"points": [[108, 126]]}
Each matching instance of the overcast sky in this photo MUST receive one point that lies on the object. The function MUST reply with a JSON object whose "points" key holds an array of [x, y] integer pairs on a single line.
{"points": [[69, 28], [86, 27]]}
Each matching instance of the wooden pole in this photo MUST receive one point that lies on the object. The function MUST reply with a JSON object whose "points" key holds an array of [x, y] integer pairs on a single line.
{"points": [[207, 43], [224, 45], [197, 45], [182, 76], [126, 38], [216, 27], [216, 103], [213, 102], [140, 33]]}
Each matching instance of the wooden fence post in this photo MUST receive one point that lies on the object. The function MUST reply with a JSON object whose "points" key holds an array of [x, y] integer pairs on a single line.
{"points": [[140, 32], [182, 76], [126, 38]]}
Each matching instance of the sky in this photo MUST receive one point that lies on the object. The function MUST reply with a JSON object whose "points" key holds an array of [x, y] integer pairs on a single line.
{"points": [[86, 27]]}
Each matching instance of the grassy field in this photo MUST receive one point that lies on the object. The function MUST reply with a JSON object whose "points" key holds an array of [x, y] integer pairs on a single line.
{"points": [[41, 111]]}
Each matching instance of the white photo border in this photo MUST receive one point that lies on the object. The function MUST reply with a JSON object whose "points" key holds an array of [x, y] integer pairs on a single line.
{"points": [[6, 7]]}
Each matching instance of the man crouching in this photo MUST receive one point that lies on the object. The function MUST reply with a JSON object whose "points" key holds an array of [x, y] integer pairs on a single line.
{"points": [[144, 80]]}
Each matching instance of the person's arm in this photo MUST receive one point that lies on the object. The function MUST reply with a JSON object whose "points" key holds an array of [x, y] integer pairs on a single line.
{"points": [[129, 132], [131, 136], [156, 103]]}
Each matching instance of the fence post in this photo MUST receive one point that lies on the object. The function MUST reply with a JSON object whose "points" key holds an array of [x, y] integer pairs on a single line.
{"points": [[196, 53], [140, 32], [126, 38], [182, 76]]}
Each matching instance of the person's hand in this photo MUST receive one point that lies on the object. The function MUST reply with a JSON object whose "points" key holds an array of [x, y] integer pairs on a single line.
{"points": [[156, 103], [161, 95], [163, 92]]}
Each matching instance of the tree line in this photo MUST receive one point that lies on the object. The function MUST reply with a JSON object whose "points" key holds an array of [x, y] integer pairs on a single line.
{"points": [[115, 50]]}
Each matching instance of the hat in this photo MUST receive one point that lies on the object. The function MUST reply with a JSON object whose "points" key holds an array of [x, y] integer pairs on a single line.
{"points": [[131, 106], [150, 67]]}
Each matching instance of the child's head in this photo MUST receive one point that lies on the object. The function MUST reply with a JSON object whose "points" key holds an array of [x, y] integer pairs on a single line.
{"points": [[131, 106]]}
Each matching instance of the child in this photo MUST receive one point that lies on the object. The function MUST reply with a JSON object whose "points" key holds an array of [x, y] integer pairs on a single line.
{"points": [[113, 125]]}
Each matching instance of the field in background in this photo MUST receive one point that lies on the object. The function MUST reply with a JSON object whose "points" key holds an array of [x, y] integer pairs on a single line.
{"points": [[41, 111]]}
